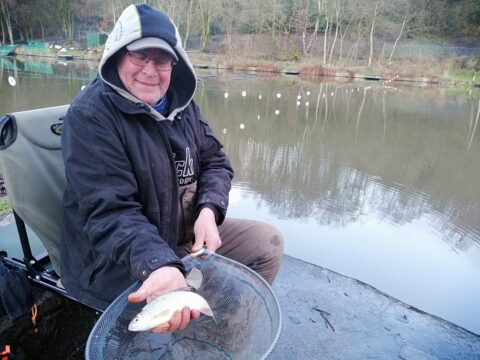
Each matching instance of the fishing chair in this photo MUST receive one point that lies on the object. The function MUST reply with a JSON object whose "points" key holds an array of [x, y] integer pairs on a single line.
{"points": [[34, 175]]}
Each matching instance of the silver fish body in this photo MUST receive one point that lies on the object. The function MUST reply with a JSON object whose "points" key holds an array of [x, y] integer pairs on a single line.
{"points": [[160, 310]]}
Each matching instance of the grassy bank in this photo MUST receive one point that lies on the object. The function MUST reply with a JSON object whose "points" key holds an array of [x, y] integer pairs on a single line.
{"points": [[447, 72], [463, 72]]}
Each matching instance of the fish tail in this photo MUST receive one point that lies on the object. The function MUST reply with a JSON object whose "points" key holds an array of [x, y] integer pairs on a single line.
{"points": [[208, 311]]}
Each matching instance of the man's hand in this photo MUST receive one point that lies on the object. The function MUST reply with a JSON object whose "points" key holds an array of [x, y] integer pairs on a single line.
{"points": [[161, 281], [179, 320], [206, 232]]}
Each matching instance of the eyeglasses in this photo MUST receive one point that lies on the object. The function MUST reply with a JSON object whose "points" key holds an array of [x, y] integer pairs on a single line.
{"points": [[140, 58]]}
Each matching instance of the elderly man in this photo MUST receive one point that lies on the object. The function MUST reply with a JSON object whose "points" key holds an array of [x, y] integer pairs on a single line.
{"points": [[147, 181]]}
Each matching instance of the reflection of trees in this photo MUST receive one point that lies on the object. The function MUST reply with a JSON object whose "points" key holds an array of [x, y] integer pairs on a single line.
{"points": [[49, 68], [42, 83], [352, 152]]}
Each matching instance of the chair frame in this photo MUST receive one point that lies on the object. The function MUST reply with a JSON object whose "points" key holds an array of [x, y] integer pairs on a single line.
{"points": [[35, 268]]}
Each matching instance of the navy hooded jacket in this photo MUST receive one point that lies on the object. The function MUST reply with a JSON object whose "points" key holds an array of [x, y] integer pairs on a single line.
{"points": [[122, 197]]}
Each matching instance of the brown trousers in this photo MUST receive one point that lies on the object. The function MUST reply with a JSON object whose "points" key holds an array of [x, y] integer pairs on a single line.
{"points": [[255, 244]]}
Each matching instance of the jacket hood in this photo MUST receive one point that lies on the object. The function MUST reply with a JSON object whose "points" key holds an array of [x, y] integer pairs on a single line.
{"points": [[139, 22]]}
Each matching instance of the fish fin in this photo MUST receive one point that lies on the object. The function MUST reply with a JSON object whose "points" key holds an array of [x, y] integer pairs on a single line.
{"points": [[194, 278]]}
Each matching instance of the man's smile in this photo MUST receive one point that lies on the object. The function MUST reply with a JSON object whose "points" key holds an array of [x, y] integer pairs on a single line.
{"points": [[147, 84]]}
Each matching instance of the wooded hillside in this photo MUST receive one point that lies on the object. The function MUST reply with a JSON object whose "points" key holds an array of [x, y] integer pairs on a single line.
{"points": [[331, 30]]}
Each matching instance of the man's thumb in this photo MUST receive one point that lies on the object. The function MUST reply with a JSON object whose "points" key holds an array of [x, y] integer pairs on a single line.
{"points": [[199, 241], [137, 296], [197, 247]]}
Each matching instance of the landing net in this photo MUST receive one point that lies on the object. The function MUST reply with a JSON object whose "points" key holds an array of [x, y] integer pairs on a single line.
{"points": [[247, 320]]}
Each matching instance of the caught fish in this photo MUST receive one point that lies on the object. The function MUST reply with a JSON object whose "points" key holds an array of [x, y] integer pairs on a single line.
{"points": [[160, 310]]}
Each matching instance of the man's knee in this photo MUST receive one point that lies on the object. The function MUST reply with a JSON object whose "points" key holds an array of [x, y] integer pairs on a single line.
{"points": [[270, 249], [271, 238], [253, 243]]}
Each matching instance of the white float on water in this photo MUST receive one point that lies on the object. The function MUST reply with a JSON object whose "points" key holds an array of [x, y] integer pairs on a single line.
{"points": [[12, 81]]}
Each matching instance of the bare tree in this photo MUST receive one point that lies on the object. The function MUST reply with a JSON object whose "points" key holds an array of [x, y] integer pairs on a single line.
{"points": [[337, 26], [307, 46], [189, 21], [229, 13], [5, 6], [207, 14], [3, 31], [406, 18], [353, 51], [66, 15], [372, 28], [327, 28]]}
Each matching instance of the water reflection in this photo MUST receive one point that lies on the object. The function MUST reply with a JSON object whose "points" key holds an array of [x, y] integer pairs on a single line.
{"points": [[40, 82], [374, 181], [344, 156]]}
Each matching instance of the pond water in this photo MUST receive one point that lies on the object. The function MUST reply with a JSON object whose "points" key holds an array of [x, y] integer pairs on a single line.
{"points": [[374, 180]]}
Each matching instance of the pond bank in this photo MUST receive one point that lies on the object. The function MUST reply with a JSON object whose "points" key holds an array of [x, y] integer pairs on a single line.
{"points": [[407, 71], [325, 315]]}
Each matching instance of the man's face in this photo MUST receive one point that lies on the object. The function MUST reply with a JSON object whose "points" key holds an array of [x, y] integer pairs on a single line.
{"points": [[146, 73]]}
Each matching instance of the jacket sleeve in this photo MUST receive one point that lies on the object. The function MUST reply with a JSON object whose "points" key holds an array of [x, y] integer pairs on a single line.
{"points": [[100, 176], [216, 173]]}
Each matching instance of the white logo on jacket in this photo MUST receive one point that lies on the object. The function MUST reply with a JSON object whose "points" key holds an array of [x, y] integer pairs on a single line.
{"points": [[185, 171]]}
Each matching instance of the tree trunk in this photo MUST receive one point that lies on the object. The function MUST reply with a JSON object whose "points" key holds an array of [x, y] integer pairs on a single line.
{"points": [[42, 27], [189, 19], [205, 31], [371, 36], [114, 12], [315, 31], [342, 37], [8, 22], [314, 35], [399, 35], [325, 38], [229, 37], [3, 31], [337, 25], [274, 23]]}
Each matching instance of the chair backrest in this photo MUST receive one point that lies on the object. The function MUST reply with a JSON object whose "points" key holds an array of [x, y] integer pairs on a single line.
{"points": [[34, 174]]}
